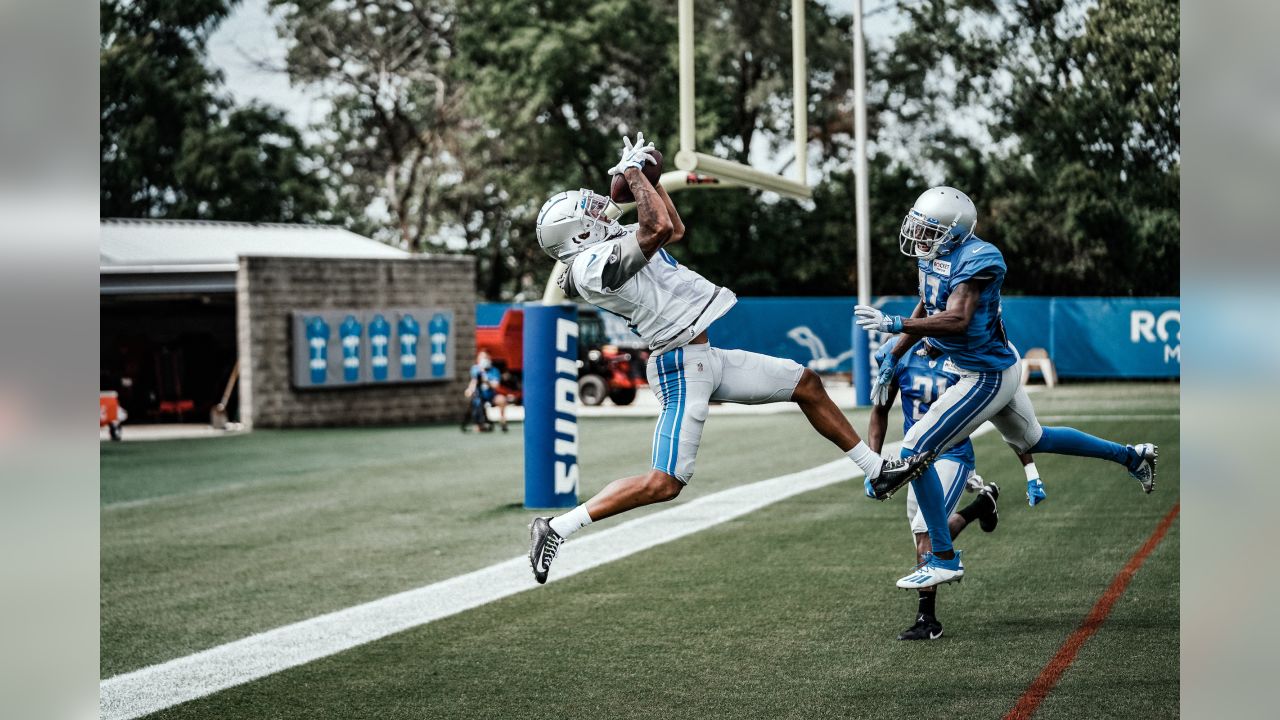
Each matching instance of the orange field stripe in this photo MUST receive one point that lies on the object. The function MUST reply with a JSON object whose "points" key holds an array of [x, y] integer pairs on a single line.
{"points": [[1052, 673]]}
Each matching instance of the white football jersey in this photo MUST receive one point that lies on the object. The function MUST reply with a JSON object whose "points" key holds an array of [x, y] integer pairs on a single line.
{"points": [[664, 302]]}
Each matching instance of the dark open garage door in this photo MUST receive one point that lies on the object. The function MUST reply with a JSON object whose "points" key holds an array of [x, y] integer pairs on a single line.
{"points": [[169, 357]]}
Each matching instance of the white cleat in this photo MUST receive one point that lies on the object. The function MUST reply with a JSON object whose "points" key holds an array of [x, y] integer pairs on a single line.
{"points": [[932, 572], [1146, 470]]}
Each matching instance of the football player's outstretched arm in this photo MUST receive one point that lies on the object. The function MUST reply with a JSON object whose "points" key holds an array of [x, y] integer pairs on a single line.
{"points": [[655, 222], [908, 340], [879, 423], [677, 225], [961, 305]]}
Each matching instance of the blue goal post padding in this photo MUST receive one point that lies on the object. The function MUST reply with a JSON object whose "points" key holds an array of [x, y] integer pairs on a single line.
{"points": [[550, 406]]}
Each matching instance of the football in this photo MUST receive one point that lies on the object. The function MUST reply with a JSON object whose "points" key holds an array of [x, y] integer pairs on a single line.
{"points": [[620, 191]]}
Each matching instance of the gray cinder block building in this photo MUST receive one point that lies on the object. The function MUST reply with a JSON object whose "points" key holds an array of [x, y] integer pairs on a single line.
{"points": [[326, 328]]}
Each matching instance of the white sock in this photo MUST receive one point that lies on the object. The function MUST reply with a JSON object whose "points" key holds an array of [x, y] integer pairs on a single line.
{"points": [[1032, 472], [571, 522], [867, 459]]}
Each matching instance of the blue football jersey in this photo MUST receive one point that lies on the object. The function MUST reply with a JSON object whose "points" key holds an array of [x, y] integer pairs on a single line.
{"points": [[983, 347], [922, 381]]}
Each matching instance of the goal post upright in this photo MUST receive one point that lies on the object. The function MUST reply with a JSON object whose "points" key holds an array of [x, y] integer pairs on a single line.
{"points": [[799, 91], [861, 201], [690, 160], [688, 126]]}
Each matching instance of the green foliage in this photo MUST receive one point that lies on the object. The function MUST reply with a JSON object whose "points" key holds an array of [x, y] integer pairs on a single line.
{"points": [[552, 86], [451, 122], [389, 71], [170, 145], [1078, 182]]}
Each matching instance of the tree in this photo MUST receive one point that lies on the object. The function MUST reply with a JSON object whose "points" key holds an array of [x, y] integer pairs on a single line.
{"points": [[392, 135], [453, 122], [551, 95], [170, 145], [1078, 178]]}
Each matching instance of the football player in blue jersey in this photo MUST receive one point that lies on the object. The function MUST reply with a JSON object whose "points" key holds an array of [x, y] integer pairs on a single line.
{"points": [[922, 376], [959, 311]]}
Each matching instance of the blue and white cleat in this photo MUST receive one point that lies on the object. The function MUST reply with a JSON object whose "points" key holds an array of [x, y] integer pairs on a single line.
{"points": [[1145, 472], [932, 572], [1035, 492]]}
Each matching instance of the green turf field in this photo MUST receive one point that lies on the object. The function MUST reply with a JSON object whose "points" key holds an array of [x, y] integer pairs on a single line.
{"points": [[786, 612]]}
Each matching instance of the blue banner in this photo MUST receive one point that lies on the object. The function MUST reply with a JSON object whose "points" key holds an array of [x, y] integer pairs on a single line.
{"points": [[489, 314], [1086, 337], [1117, 337]]}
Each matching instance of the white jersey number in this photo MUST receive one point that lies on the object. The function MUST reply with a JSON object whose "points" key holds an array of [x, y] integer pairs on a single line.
{"points": [[930, 389]]}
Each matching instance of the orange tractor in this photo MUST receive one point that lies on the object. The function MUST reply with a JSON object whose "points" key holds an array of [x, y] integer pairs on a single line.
{"points": [[604, 369]]}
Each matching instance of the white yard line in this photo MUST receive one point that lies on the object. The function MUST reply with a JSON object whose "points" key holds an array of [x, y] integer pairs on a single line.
{"points": [[1093, 418], [143, 502], [157, 687]]}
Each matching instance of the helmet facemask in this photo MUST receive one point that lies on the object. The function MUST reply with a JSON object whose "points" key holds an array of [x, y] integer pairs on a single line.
{"points": [[593, 212], [927, 238]]}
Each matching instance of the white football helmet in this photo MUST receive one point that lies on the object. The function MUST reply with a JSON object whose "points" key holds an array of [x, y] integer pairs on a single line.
{"points": [[942, 218], [574, 220]]}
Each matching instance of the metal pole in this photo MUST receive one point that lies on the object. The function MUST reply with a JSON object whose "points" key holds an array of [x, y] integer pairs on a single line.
{"points": [[861, 342], [686, 76], [799, 89]]}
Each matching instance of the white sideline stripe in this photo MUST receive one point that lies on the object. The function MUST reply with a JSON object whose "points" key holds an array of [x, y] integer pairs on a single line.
{"points": [[1152, 416], [180, 680]]}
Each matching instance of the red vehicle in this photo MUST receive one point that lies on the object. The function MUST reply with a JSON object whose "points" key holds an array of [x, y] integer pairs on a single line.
{"points": [[604, 369], [110, 415]]}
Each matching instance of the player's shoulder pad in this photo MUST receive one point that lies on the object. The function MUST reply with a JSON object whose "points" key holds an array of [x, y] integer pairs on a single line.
{"points": [[605, 267], [584, 270], [977, 258], [624, 260]]}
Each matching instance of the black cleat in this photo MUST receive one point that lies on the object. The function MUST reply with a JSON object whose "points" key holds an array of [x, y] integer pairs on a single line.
{"points": [[544, 544], [927, 627], [896, 473], [988, 520]]}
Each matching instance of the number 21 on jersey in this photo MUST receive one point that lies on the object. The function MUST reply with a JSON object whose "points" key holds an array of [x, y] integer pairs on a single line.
{"points": [[930, 389]]}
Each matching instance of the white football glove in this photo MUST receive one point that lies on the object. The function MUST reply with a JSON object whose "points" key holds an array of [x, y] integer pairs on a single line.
{"points": [[870, 318], [633, 156]]}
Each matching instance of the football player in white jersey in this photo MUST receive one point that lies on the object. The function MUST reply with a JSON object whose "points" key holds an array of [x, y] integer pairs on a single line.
{"points": [[625, 270]]}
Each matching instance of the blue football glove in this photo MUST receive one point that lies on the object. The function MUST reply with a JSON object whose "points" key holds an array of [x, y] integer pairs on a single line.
{"points": [[869, 318], [884, 377], [1035, 492]]}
